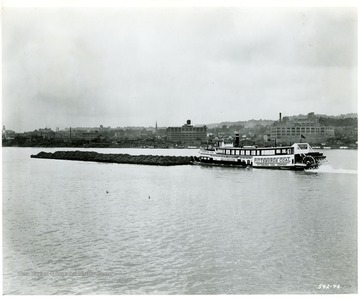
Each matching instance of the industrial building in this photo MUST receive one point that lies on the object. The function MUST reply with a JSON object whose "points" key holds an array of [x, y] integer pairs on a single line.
{"points": [[187, 134], [306, 129]]}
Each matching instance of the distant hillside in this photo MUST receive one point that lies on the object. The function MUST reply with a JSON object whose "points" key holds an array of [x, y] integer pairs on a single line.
{"points": [[342, 116], [338, 122], [247, 124], [335, 120]]}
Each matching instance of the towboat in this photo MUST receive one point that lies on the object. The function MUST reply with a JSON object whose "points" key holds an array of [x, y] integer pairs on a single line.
{"points": [[299, 156]]}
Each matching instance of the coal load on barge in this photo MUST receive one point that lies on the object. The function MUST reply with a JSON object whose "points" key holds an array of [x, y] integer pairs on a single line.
{"points": [[158, 160]]}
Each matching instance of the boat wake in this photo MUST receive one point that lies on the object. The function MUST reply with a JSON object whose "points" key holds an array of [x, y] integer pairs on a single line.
{"points": [[327, 168]]}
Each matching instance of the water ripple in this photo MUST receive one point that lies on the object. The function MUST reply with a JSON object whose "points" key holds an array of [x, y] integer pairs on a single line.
{"points": [[203, 230]]}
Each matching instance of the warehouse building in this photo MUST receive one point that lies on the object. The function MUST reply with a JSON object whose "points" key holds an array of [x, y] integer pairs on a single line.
{"points": [[301, 129], [187, 134]]}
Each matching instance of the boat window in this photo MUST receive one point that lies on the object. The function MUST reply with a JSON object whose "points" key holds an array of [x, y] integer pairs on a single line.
{"points": [[227, 151], [237, 152], [258, 152], [284, 151], [269, 152], [242, 152], [253, 152], [278, 151], [247, 152]]}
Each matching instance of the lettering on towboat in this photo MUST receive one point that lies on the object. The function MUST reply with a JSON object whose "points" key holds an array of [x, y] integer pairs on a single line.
{"points": [[272, 160]]}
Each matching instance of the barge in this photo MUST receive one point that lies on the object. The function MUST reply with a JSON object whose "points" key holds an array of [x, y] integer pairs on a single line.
{"points": [[299, 156]]}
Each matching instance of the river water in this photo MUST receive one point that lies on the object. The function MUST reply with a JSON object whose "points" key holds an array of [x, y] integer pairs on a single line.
{"points": [[72, 227]]}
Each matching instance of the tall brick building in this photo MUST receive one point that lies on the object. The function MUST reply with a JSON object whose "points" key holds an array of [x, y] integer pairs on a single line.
{"points": [[187, 134]]}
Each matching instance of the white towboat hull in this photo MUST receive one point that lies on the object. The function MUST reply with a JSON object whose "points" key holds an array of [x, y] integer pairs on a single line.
{"points": [[293, 157]]}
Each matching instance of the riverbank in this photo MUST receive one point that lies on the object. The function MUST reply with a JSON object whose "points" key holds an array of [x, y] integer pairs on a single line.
{"points": [[141, 146], [159, 160]]}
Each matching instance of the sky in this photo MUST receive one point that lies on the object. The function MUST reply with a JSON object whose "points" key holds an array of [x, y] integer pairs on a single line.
{"points": [[81, 66]]}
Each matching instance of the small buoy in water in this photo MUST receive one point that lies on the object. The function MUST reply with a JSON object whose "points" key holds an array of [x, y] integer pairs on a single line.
{"points": [[107, 192], [149, 197]]}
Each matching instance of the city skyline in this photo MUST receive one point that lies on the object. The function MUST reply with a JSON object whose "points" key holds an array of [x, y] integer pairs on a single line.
{"points": [[120, 67], [157, 126]]}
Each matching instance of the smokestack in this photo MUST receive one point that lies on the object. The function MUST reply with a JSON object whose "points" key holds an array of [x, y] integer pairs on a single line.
{"points": [[279, 117], [237, 140]]}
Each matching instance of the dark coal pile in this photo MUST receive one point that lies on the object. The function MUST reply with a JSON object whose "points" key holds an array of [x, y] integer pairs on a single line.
{"points": [[158, 160]]}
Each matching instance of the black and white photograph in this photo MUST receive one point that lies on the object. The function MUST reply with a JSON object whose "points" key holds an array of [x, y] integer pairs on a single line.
{"points": [[179, 147]]}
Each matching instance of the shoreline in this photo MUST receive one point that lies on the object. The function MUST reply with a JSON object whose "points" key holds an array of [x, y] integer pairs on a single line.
{"points": [[147, 148]]}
